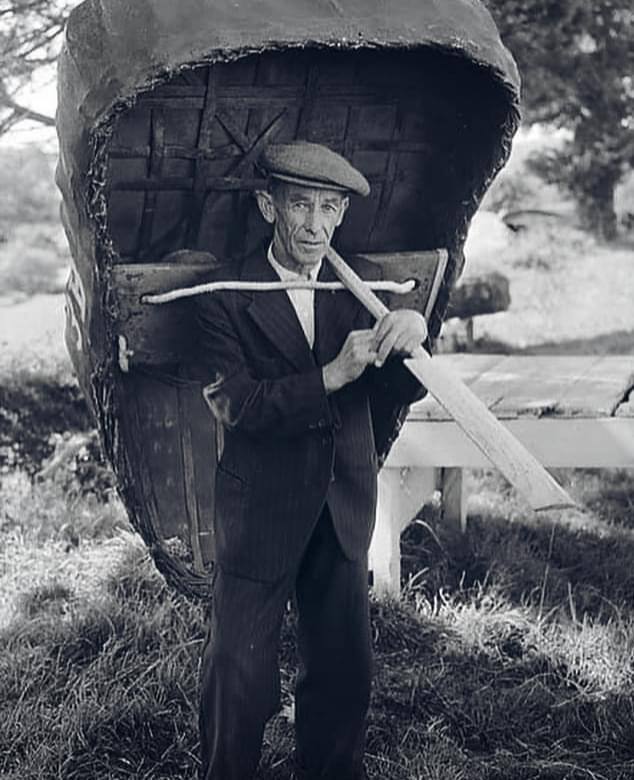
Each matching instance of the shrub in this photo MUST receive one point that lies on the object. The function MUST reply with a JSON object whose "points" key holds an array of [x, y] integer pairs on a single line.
{"points": [[33, 259]]}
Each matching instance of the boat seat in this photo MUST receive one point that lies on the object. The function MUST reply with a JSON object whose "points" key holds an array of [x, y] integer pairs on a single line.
{"points": [[161, 334]]}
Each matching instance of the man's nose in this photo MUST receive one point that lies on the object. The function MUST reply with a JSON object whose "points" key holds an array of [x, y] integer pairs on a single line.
{"points": [[311, 223]]}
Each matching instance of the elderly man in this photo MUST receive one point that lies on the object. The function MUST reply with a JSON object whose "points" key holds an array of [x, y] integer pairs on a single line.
{"points": [[295, 377]]}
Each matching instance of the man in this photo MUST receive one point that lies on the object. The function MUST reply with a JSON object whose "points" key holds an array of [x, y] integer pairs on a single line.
{"points": [[295, 376]]}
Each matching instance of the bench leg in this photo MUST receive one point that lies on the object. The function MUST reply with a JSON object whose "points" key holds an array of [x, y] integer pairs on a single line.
{"points": [[402, 492], [453, 500]]}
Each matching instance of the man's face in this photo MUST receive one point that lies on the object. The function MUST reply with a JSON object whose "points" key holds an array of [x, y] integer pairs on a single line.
{"points": [[305, 219]]}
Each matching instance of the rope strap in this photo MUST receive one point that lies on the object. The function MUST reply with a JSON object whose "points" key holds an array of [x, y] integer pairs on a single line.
{"points": [[400, 288]]}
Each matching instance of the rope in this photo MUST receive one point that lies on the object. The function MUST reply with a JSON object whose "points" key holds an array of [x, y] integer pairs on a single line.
{"points": [[400, 288]]}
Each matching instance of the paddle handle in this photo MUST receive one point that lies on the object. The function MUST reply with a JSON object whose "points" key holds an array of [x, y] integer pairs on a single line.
{"points": [[519, 466]]}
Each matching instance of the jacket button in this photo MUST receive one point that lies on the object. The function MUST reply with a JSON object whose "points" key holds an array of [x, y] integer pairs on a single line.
{"points": [[322, 423]]}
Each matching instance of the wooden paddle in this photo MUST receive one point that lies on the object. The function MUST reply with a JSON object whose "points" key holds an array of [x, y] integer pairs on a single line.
{"points": [[518, 465]]}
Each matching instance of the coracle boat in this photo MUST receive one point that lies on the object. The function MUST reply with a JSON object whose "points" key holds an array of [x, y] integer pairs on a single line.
{"points": [[164, 109]]}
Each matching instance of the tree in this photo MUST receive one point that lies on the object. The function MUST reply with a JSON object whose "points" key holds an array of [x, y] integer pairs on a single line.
{"points": [[30, 34], [577, 63]]}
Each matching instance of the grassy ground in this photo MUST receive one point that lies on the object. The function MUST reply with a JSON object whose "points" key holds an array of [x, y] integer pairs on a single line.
{"points": [[564, 285], [509, 657]]}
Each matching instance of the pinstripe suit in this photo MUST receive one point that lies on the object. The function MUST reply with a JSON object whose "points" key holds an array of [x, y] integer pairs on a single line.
{"points": [[295, 507]]}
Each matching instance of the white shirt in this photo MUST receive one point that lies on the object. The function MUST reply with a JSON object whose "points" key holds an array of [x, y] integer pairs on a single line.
{"points": [[303, 301]]}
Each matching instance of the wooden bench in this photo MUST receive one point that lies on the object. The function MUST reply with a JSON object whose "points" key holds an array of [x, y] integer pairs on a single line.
{"points": [[570, 411]]}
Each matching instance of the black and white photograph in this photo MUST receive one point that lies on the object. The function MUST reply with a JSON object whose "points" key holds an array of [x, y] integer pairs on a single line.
{"points": [[316, 390]]}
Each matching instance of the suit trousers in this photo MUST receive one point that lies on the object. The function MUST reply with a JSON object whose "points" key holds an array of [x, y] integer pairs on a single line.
{"points": [[240, 680]]}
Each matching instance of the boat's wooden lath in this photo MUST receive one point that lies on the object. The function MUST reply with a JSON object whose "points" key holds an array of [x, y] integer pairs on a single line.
{"points": [[183, 160]]}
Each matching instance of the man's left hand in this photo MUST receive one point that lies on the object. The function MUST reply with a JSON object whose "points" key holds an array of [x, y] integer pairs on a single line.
{"points": [[399, 332]]}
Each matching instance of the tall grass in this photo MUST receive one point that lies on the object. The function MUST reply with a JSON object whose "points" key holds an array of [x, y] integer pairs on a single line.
{"points": [[510, 655], [100, 685], [500, 670]]}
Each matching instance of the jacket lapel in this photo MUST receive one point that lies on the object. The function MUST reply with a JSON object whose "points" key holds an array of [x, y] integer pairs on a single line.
{"points": [[274, 314]]}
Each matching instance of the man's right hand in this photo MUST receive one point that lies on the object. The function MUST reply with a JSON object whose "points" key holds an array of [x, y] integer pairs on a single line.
{"points": [[357, 352]]}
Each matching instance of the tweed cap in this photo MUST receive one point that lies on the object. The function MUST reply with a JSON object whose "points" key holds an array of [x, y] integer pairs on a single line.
{"points": [[313, 165]]}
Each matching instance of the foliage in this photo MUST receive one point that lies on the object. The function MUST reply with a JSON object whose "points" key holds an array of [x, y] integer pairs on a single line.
{"points": [[44, 429], [509, 192], [27, 187], [577, 60], [565, 287], [33, 250], [30, 33], [33, 259]]}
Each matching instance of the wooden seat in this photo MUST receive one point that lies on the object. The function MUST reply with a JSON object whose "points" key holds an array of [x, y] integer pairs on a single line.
{"points": [[154, 335]]}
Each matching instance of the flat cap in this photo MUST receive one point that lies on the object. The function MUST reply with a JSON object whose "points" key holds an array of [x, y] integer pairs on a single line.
{"points": [[313, 165]]}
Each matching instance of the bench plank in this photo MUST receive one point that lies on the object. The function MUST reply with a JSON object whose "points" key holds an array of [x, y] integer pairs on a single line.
{"points": [[469, 368], [536, 385], [602, 388], [542, 385]]}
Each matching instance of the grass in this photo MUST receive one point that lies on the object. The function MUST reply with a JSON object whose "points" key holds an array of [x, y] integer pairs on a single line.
{"points": [[510, 656], [31, 411], [104, 684], [565, 286]]}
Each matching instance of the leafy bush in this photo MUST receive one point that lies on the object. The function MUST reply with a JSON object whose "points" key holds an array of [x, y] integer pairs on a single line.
{"points": [[511, 190], [27, 187], [33, 259]]}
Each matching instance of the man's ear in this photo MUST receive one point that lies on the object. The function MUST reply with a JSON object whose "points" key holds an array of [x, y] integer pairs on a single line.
{"points": [[266, 205], [345, 202]]}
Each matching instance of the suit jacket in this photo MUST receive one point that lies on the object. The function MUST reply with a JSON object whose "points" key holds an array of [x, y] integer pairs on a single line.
{"points": [[288, 447]]}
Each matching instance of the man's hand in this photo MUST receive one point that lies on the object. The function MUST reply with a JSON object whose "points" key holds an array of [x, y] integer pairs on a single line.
{"points": [[357, 352], [399, 332]]}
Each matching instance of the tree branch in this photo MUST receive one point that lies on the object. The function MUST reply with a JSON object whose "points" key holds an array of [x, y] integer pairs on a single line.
{"points": [[22, 112]]}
